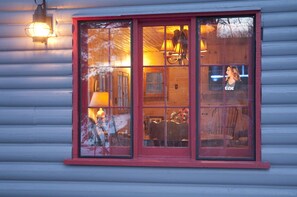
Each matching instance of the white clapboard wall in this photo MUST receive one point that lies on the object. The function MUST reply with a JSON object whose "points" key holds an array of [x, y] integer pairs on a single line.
{"points": [[36, 109]]}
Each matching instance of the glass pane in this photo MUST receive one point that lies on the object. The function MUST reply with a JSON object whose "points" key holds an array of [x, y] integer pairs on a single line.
{"points": [[106, 43], [108, 135], [154, 126], [154, 86], [105, 89], [177, 127], [152, 43], [166, 130], [178, 86], [165, 45], [121, 81], [226, 81], [166, 86]]}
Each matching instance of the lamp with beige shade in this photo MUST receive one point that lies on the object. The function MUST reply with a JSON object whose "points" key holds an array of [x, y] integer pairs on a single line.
{"points": [[100, 99]]}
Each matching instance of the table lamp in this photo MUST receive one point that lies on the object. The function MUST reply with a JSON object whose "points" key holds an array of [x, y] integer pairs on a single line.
{"points": [[100, 99]]}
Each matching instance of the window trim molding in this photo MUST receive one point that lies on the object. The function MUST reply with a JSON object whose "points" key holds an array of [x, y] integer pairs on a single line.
{"points": [[164, 162], [169, 162]]}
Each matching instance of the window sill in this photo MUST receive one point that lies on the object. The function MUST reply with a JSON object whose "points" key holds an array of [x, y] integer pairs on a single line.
{"points": [[168, 162]]}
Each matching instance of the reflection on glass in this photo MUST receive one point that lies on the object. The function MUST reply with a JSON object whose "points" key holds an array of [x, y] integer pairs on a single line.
{"points": [[226, 88], [106, 67], [165, 45], [217, 76], [169, 130], [108, 43], [106, 135]]}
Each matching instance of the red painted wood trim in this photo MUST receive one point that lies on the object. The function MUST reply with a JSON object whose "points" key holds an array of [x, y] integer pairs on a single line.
{"points": [[157, 17], [169, 162], [136, 93], [75, 91], [194, 56], [147, 150], [258, 88]]}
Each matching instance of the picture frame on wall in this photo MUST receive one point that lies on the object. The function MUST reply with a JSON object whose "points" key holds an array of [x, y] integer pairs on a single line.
{"points": [[154, 84]]}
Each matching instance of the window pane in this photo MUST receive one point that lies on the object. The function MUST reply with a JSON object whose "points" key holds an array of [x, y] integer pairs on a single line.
{"points": [[108, 43], [226, 84], [105, 89], [108, 135], [178, 86], [154, 85], [165, 45], [165, 87], [168, 129]]}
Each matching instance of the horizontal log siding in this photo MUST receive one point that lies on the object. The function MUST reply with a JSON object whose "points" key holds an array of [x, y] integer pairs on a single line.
{"points": [[278, 175], [91, 189], [36, 108]]}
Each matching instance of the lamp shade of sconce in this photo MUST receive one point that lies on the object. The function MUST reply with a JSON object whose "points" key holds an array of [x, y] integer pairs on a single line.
{"points": [[177, 48], [206, 29], [168, 44], [42, 25], [203, 45]]}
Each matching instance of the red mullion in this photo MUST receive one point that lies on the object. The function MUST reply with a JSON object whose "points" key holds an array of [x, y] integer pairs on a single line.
{"points": [[137, 89], [198, 148], [193, 86], [80, 114], [75, 92]]}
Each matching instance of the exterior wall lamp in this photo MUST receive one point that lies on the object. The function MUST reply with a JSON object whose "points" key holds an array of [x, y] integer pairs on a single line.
{"points": [[42, 25]]}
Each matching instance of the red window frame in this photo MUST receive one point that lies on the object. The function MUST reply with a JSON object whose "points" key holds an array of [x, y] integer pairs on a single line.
{"points": [[137, 160]]}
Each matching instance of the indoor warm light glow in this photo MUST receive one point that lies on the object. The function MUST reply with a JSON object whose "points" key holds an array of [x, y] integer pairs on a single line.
{"points": [[203, 46], [147, 60], [39, 29], [206, 29], [100, 99], [169, 46], [177, 48]]}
